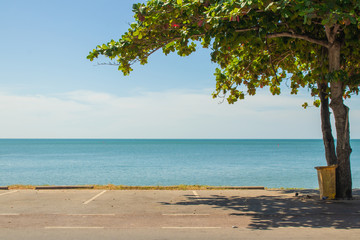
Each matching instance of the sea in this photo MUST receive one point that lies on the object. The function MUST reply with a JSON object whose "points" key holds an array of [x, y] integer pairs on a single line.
{"points": [[164, 162]]}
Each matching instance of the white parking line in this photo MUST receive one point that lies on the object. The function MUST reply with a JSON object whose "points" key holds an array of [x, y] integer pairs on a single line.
{"points": [[93, 198], [191, 227], [9, 214], [105, 214], [185, 214], [66, 227], [8, 192], [196, 194]]}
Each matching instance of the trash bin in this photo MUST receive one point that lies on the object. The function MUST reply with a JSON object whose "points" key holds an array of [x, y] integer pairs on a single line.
{"points": [[327, 181]]}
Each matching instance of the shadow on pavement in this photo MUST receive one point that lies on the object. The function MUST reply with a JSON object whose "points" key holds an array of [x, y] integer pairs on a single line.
{"points": [[304, 210]]}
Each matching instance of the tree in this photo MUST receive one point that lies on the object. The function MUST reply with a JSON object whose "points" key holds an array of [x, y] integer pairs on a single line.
{"points": [[260, 43]]}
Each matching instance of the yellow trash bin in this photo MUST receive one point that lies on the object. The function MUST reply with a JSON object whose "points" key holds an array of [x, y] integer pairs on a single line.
{"points": [[327, 181]]}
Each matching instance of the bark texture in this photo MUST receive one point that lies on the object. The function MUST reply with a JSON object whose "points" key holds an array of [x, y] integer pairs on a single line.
{"points": [[328, 139], [341, 115]]}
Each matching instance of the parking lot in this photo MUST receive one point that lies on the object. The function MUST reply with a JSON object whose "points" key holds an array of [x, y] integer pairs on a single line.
{"points": [[163, 214]]}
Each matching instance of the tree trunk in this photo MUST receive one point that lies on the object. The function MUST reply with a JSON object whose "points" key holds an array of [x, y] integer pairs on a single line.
{"points": [[328, 138], [341, 114]]}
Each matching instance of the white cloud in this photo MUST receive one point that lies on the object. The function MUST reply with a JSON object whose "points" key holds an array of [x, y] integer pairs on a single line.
{"points": [[171, 114]]}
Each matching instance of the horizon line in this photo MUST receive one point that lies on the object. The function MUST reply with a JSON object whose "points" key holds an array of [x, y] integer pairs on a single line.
{"points": [[51, 138]]}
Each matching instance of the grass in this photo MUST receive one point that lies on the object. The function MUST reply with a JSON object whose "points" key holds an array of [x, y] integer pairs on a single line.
{"points": [[177, 187], [21, 187], [286, 189]]}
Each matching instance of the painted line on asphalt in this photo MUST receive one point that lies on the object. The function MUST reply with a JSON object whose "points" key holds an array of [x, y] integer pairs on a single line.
{"points": [[66, 227], [90, 214], [191, 227], [196, 194], [185, 214], [96, 196], [9, 214], [9, 192]]}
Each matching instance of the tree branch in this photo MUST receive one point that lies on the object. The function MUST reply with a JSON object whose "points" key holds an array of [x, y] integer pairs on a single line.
{"points": [[298, 36], [271, 63], [247, 29], [331, 32], [282, 59]]}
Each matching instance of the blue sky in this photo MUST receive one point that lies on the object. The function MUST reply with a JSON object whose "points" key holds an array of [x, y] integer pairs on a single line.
{"points": [[48, 89]]}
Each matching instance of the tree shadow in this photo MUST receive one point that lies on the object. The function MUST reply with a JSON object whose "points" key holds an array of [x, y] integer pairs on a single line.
{"points": [[303, 210]]}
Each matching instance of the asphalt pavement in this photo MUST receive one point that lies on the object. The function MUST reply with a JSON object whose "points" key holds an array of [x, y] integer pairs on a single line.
{"points": [[176, 214]]}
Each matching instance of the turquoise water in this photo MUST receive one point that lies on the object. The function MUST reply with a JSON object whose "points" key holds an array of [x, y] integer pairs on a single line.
{"points": [[269, 163]]}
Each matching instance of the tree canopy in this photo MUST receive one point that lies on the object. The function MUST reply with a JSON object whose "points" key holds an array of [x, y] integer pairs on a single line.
{"points": [[256, 44]]}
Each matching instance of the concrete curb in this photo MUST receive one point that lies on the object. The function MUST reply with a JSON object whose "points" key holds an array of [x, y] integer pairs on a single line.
{"points": [[139, 187], [62, 187]]}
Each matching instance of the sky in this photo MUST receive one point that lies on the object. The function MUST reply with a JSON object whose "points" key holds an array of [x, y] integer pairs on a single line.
{"points": [[48, 89]]}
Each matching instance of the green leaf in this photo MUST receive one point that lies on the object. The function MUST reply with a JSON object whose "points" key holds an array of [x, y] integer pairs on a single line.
{"points": [[317, 103]]}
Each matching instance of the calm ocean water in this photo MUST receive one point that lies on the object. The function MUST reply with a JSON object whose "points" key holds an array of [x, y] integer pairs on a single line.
{"points": [[269, 163]]}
